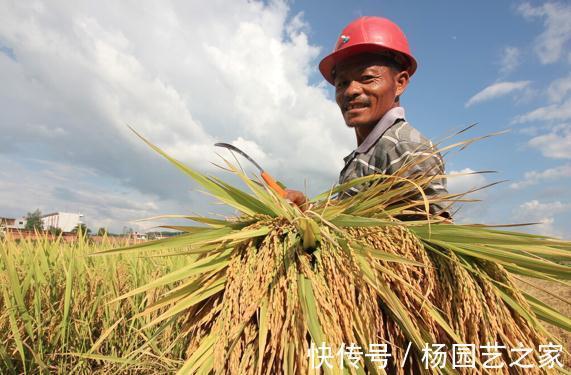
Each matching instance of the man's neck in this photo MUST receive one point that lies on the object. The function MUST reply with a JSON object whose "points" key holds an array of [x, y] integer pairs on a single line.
{"points": [[361, 132]]}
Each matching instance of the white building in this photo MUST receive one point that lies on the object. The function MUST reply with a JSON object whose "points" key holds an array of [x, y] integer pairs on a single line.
{"points": [[63, 220], [11, 223], [139, 236]]}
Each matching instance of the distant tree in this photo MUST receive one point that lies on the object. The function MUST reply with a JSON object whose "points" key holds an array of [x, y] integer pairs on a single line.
{"points": [[34, 220], [127, 230], [54, 231], [102, 231], [84, 229]]}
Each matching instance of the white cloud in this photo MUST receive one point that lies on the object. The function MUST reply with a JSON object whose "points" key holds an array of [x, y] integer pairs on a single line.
{"points": [[510, 60], [556, 144], [497, 90], [535, 177], [184, 74], [553, 112], [551, 44], [52, 186], [461, 181], [558, 93], [254, 150], [558, 89], [544, 209], [464, 180], [543, 213]]}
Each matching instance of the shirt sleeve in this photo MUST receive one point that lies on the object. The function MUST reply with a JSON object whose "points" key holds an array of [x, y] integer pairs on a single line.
{"points": [[419, 160]]}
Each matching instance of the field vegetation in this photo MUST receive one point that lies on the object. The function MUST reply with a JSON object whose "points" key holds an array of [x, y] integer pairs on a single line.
{"points": [[58, 314], [249, 293]]}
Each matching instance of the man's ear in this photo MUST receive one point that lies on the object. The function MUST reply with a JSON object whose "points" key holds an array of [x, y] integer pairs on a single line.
{"points": [[401, 81]]}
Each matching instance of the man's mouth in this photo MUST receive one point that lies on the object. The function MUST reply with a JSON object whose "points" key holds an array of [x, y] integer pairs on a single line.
{"points": [[352, 106]]}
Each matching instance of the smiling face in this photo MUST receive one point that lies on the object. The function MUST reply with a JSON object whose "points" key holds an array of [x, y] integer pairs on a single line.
{"points": [[366, 87]]}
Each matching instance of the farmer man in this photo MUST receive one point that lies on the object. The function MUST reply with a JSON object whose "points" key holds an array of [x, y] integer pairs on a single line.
{"points": [[370, 68]]}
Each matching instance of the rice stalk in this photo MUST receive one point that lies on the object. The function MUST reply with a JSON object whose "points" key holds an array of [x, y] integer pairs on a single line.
{"points": [[348, 271]]}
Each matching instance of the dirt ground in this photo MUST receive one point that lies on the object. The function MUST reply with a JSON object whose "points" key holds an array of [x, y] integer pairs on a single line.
{"points": [[563, 292]]}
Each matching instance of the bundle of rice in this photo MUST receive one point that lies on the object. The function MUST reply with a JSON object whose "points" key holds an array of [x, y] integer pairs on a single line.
{"points": [[345, 286]]}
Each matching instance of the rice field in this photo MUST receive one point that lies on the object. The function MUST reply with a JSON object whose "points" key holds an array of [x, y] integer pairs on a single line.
{"points": [[252, 292], [552, 294], [57, 313]]}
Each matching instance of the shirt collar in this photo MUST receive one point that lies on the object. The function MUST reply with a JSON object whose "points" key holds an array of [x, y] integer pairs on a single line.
{"points": [[384, 123]]}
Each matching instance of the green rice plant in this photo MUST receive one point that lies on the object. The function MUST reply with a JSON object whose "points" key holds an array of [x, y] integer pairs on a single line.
{"points": [[57, 314], [261, 289]]}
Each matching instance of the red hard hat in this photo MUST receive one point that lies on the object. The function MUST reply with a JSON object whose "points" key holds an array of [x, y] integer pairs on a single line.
{"points": [[368, 34]]}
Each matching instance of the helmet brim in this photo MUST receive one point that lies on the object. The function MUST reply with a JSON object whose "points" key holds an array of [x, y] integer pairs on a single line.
{"points": [[328, 63]]}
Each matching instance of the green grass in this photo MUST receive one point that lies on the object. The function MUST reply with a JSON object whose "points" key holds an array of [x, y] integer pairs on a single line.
{"points": [[56, 314]]}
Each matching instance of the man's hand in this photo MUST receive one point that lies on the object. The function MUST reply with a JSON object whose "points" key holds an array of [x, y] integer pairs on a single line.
{"points": [[297, 198]]}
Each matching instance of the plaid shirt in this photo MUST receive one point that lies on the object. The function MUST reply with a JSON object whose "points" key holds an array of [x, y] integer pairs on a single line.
{"points": [[391, 144]]}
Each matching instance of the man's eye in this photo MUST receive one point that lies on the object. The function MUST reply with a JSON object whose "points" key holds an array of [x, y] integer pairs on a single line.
{"points": [[340, 84], [367, 78]]}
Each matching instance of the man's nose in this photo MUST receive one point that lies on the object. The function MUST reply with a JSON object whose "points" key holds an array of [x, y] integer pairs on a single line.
{"points": [[353, 89]]}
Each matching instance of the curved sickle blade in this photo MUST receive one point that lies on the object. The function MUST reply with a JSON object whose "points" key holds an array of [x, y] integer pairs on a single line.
{"points": [[234, 148], [269, 179]]}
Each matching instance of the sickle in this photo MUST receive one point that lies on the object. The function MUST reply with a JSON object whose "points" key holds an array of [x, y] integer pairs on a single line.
{"points": [[266, 176]]}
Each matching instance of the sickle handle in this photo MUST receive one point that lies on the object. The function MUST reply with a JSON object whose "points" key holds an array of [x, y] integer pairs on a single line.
{"points": [[273, 184]]}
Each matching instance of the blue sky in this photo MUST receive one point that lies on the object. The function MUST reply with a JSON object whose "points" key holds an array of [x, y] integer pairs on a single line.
{"points": [[187, 74]]}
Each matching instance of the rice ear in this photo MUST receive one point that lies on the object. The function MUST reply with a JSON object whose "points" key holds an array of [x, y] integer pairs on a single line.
{"points": [[347, 271]]}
